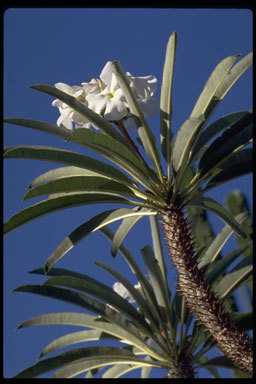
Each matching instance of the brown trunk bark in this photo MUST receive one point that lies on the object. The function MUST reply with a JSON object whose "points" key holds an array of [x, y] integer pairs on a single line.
{"points": [[200, 300], [181, 369]]}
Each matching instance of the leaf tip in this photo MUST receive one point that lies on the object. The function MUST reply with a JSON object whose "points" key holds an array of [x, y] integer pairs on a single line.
{"points": [[46, 268]]}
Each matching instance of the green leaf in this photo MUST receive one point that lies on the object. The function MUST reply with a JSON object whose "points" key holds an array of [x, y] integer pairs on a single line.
{"points": [[114, 151], [220, 361], [154, 275], [74, 338], [218, 84], [220, 240], [212, 206], [53, 129], [190, 131], [118, 370], [184, 141], [235, 278], [123, 230], [119, 327], [72, 102], [146, 287], [224, 263], [166, 107], [61, 173], [95, 223], [104, 293], [65, 157], [139, 299], [233, 75], [215, 128], [76, 368], [80, 184], [238, 165], [157, 246], [54, 204], [84, 354], [234, 138], [145, 133], [212, 85]]}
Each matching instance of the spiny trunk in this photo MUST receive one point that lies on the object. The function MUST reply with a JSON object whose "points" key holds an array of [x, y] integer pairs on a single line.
{"points": [[181, 369], [201, 301]]}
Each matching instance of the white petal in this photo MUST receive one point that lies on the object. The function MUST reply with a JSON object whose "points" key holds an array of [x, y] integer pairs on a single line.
{"points": [[63, 87], [78, 118], [57, 103], [145, 86], [65, 119], [115, 110], [83, 125], [150, 107], [97, 102], [106, 73], [129, 124], [92, 87], [120, 289]]}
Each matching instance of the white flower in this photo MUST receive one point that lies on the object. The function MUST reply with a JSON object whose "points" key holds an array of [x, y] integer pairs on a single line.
{"points": [[110, 102], [122, 291], [144, 89], [68, 116], [105, 97]]}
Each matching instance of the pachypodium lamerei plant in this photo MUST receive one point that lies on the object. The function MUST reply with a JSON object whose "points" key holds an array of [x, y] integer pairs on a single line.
{"points": [[155, 330], [112, 104]]}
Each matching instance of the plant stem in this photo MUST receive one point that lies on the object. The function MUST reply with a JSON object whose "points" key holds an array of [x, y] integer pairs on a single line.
{"points": [[200, 300], [181, 369], [130, 141]]}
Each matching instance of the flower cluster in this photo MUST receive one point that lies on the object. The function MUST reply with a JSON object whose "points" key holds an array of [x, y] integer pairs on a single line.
{"points": [[105, 97]]}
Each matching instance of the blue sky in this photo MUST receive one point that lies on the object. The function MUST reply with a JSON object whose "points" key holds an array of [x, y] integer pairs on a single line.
{"points": [[72, 46]]}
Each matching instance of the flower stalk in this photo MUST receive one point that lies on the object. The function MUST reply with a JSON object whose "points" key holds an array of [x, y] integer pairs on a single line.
{"points": [[200, 300]]}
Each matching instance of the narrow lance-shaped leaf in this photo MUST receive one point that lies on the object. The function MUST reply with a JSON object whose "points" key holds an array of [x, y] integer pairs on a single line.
{"points": [[212, 206], [73, 369], [116, 152], [235, 277], [52, 129], [213, 83], [182, 146], [232, 139], [80, 184], [119, 326], [155, 276], [166, 108], [215, 128], [219, 241], [233, 75], [147, 288], [54, 204], [101, 291], [140, 301], [118, 370], [190, 131], [144, 131], [123, 230], [240, 164], [90, 226], [74, 338], [72, 102], [84, 354], [225, 262]]}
